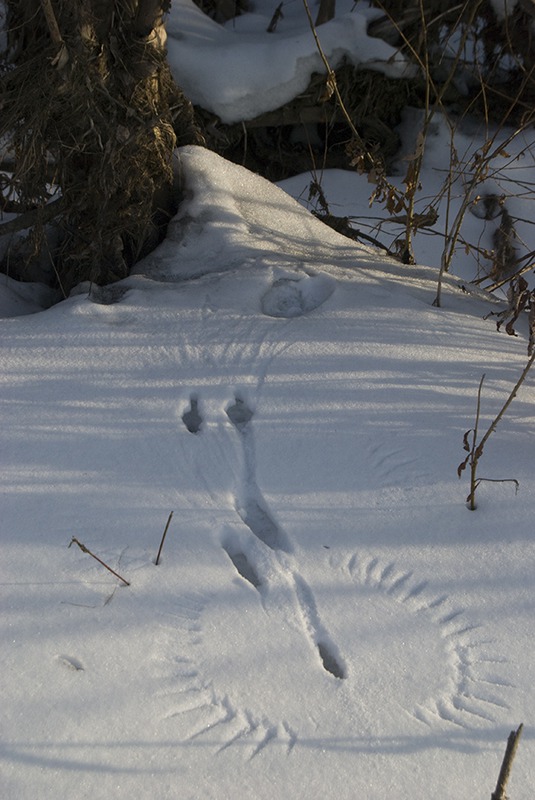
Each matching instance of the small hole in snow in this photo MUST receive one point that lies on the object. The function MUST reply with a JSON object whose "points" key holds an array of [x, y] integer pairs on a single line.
{"points": [[191, 418], [330, 664]]}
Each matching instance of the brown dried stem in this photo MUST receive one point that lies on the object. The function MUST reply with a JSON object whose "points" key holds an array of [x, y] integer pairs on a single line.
{"points": [[51, 21], [157, 561], [84, 549], [475, 450], [332, 87], [507, 763]]}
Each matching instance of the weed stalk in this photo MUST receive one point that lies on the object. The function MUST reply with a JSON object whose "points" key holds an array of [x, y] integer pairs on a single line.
{"points": [[84, 549], [475, 449], [170, 517]]}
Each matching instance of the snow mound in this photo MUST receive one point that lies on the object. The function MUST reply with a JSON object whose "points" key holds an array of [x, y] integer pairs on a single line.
{"points": [[233, 219], [240, 74], [18, 299]]}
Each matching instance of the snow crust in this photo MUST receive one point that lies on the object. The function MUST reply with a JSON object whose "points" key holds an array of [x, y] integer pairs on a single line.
{"points": [[328, 619], [240, 71]]}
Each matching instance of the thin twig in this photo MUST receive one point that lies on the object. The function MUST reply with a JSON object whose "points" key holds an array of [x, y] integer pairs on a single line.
{"points": [[62, 56], [84, 549], [474, 456], [332, 85], [51, 21], [498, 284], [506, 405], [33, 216], [163, 537], [490, 150], [476, 450]]}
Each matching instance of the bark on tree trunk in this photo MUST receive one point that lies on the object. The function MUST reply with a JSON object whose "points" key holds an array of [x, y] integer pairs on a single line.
{"points": [[93, 91], [326, 11]]}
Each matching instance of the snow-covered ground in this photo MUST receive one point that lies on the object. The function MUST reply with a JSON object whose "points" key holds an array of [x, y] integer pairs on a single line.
{"points": [[328, 619], [239, 71]]}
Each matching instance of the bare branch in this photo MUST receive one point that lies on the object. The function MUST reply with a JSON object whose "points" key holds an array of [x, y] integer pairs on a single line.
{"points": [[507, 763], [30, 218], [51, 21]]}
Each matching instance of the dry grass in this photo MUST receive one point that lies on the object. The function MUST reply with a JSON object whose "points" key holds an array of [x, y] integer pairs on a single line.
{"points": [[100, 106]]}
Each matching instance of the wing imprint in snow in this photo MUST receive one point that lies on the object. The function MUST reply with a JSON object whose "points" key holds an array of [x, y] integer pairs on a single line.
{"points": [[392, 461], [471, 692]]}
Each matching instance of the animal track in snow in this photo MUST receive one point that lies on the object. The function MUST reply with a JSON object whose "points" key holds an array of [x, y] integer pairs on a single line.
{"points": [[70, 663], [330, 658], [259, 667], [295, 296], [272, 577], [241, 562], [239, 414], [247, 680], [254, 513], [250, 504], [191, 417]]}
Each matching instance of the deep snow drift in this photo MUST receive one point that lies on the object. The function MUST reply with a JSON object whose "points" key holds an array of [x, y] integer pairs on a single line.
{"points": [[328, 619], [239, 71]]}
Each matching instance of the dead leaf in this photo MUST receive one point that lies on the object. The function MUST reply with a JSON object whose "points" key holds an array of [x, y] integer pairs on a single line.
{"points": [[462, 466], [466, 444]]}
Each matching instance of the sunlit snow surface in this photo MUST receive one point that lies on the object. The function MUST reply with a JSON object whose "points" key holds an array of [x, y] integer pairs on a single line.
{"points": [[328, 619], [240, 70]]}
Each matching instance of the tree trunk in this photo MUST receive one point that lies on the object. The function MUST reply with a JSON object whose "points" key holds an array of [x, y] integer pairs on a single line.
{"points": [[88, 90], [326, 12]]}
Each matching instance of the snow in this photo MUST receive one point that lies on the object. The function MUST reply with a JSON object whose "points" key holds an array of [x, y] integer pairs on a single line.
{"points": [[328, 619], [510, 176], [290, 297], [240, 71], [18, 298]]}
